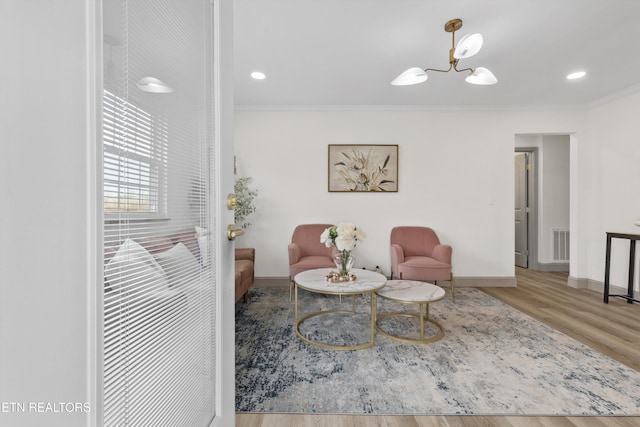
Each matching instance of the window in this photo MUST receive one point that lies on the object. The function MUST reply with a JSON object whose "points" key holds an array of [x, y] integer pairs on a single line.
{"points": [[135, 147]]}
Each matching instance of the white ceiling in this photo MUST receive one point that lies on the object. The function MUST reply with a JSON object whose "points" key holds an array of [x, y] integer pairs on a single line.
{"points": [[346, 52]]}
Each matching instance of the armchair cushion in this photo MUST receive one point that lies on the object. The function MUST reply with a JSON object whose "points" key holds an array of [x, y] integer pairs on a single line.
{"points": [[309, 263], [424, 268]]}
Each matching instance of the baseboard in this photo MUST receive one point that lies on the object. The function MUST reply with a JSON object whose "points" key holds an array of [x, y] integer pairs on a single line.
{"points": [[553, 266], [271, 282], [598, 286], [485, 282], [580, 283], [459, 281]]}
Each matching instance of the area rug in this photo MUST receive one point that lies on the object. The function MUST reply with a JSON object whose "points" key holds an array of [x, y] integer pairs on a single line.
{"points": [[493, 360]]}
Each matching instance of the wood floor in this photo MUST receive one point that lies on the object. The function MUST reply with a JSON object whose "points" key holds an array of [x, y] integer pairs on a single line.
{"points": [[612, 329]]}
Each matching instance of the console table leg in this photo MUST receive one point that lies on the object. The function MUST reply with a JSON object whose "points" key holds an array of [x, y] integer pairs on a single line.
{"points": [[607, 270], [632, 262]]}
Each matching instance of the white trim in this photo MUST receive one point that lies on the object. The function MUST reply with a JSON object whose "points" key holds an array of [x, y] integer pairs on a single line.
{"points": [[223, 146], [615, 96], [415, 108], [598, 286], [553, 266], [405, 108], [458, 281], [94, 214]]}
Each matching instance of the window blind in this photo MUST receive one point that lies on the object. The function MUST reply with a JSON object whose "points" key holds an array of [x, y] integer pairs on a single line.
{"points": [[159, 293], [135, 145]]}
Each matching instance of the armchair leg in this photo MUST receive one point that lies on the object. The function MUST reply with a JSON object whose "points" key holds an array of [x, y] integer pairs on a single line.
{"points": [[453, 290], [290, 288]]}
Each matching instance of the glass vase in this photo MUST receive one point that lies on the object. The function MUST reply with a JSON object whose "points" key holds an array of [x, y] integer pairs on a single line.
{"points": [[344, 261]]}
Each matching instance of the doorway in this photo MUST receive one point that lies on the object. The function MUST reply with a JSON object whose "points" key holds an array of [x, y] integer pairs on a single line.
{"points": [[525, 208], [521, 209], [541, 202]]}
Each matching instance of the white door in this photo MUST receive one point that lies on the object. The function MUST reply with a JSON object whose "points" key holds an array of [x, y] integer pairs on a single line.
{"points": [[521, 210], [223, 175], [167, 106]]}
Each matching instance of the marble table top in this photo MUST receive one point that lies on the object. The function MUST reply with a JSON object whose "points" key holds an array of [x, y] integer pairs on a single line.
{"points": [[366, 281], [411, 291]]}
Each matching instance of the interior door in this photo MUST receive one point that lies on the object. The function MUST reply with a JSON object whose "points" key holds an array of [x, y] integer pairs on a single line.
{"points": [[521, 210], [223, 178]]}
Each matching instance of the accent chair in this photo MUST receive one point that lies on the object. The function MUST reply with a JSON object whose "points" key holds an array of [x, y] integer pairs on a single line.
{"points": [[307, 253], [416, 254]]}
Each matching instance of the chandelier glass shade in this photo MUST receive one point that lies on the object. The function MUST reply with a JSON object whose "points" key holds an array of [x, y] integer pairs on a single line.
{"points": [[153, 85], [411, 76], [468, 46], [481, 76]]}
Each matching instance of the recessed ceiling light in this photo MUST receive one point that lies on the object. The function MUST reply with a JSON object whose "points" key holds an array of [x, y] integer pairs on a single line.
{"points": [[258, 75], [576, 75]]}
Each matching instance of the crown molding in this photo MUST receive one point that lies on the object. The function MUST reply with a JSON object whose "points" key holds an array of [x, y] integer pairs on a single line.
{"points": [[404, 108], [615, 96]]}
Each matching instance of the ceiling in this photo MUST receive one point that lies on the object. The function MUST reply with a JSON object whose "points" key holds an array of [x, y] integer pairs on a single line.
{"points": [[343, 53]]}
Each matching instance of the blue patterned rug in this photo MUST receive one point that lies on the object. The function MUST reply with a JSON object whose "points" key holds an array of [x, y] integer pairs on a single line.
{"points": [[492, 360]]}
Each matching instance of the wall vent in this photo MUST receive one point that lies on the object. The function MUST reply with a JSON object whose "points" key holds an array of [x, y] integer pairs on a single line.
{"points": [[560, 244]]}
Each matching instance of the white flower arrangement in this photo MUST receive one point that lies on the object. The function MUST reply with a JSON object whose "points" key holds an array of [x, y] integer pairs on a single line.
{"points": [[344, 235]]}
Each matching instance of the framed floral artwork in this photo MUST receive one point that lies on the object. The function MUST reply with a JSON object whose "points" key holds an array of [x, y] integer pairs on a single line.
{"points": [[363, 168]]}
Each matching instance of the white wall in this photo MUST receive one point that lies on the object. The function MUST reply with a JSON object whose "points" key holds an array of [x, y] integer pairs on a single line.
{"points": [[47, 222], [456, 175], [554, 192], [615, 183]]}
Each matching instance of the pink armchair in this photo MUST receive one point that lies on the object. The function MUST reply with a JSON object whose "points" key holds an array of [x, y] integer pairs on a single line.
{"points": [[306, 252], [416, 254]]}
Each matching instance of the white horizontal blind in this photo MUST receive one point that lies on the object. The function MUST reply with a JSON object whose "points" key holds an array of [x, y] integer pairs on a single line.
{"points": [[159, 294], [135, 145]]}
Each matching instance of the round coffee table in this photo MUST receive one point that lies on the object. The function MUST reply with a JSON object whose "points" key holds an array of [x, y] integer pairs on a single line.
{"points": [[411, 292], [367, 282]]}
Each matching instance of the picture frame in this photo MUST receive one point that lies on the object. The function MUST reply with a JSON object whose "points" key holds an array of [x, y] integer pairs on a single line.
{"points": [[363, 168]]}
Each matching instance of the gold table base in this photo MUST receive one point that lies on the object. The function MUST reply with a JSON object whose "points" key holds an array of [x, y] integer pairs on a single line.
{"points": [[421, 319], [299, 321]]}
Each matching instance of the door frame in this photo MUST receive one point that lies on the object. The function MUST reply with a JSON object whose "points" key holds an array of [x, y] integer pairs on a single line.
{"points": [[532, 202], [222, 216]]}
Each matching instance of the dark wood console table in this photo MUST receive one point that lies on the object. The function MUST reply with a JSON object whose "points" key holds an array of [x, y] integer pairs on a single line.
{"points": [[607, 266]]}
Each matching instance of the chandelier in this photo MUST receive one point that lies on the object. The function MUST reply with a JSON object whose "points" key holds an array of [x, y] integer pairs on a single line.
{"points": [[468, 46]]}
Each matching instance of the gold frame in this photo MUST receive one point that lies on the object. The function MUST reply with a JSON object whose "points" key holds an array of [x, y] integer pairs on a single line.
{"points": [[362, 168], [299, 321], [421, 320]]}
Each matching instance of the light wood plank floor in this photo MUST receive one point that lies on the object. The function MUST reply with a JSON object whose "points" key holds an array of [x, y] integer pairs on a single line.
{"points": [[612, 329]]}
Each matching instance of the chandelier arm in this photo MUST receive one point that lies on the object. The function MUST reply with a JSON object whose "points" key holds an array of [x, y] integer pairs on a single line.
{"points": [[440, 71], [464, 69]]}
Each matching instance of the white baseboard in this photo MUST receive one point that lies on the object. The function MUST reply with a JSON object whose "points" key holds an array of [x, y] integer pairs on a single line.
{"points": [[598, 286], [477, 282], [485, 282], [271, 282], [553, 266], [459, 281]]}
